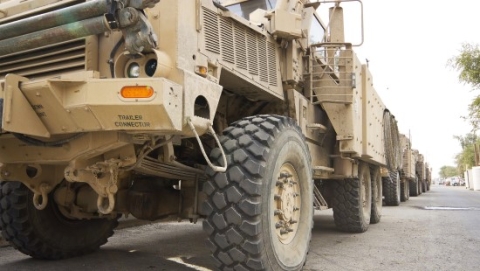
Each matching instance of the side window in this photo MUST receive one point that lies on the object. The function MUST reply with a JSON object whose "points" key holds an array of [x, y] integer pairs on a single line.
{"points": [[316, 32], [244, 9]]}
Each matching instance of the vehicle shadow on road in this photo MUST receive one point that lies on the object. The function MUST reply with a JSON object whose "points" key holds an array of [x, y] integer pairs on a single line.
{"points": [[134, 249], [323, 222]]}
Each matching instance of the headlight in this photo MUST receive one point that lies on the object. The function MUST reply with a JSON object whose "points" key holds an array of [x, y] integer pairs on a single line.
{"points": [[133, 70], [156, 64], [151, 67]]}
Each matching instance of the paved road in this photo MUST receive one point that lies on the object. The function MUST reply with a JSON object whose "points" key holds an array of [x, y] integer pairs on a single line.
{"points": [[414, 236]]}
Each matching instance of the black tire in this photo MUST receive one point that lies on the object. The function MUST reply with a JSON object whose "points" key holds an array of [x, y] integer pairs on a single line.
{"points": [[424, 186], [428, 186], [404, 191], [352, 202], [248, 221], [419, 184], [413, 186], [377, 197], [391, 188], [47, 234]]}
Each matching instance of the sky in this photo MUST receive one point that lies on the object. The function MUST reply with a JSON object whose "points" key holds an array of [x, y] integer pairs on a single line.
{"points": [[408, 44]]}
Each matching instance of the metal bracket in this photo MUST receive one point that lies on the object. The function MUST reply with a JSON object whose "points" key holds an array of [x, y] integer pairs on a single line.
{"points": [[215, 168], [319, 201], [102, 177], [17, 108]]}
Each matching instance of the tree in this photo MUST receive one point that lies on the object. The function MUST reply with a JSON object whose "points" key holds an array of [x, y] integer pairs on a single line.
{"points": [[447, 171], [468, 64], [466, 158]]}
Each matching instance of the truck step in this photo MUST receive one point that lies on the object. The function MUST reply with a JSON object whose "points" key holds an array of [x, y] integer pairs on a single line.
{"points": [[323, 169], [322, 172], [319, 201], [317, 127]]}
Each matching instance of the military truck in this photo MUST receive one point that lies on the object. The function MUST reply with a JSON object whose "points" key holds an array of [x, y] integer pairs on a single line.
{"points": [[391, 177], [408, 174], [428, 179], [415, 173], [111, 108], [421, 171]]}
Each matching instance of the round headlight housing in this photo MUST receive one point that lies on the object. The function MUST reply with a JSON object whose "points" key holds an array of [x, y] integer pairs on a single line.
{"points": [[133, 70]]}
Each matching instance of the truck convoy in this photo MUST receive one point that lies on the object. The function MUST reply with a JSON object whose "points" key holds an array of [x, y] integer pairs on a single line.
{"points": [[415, 173], [112, 107]]}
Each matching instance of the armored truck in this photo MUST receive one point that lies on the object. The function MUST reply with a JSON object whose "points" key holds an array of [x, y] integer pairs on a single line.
{"points": [[248, 115], [415, 173]]}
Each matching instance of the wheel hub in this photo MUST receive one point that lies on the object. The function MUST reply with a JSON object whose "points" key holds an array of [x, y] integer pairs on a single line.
{"points": [[287, 201]]}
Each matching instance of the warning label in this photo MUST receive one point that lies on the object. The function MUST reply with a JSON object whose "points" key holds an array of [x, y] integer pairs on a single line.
{"points": [[131, 121]]}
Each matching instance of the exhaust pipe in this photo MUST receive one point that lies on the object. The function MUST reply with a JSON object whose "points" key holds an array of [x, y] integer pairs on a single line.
{"points": [[62, 25], [71, 31], [55, 18]]}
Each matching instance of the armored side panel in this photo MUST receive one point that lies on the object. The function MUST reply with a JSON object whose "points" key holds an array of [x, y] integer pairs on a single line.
{"points": [[344, 88], [373, 127], [420, 167], [409, 158]]}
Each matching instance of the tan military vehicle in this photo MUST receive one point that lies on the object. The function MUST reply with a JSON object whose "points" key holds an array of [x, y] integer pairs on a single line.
{"points": [[415, 173], [111, 107], [391, 176], [428, 176], [423, 173]]}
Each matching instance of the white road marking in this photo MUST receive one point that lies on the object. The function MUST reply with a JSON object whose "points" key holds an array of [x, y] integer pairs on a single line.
{"points": [[195, 267], [447, 208]]}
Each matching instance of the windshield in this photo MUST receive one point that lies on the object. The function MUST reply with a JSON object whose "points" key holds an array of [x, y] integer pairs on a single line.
{"points": [[244, 9], [317, 31]]}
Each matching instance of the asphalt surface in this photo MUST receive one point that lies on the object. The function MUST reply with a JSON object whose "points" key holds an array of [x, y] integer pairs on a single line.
{"points": [[439, 230]]}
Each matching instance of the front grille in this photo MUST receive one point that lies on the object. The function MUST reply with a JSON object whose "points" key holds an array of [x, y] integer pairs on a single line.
{"points": [[50, 60]]}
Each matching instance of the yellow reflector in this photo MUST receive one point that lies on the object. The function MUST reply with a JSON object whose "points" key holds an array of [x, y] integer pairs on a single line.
{"points": [[201, 70], [137, 92]]}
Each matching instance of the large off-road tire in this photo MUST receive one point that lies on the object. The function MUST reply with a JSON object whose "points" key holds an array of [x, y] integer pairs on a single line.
{"points": [[352, 202], [413, 186], [377, 196], [428, 186], [424, 186], [260, 211], [47, 234], [391, 188], [404, 191]]}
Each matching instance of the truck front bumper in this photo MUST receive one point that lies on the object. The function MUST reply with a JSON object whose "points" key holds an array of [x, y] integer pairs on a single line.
{"points": [[82, 103]]}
